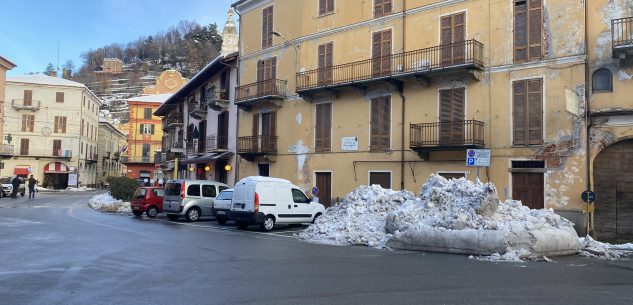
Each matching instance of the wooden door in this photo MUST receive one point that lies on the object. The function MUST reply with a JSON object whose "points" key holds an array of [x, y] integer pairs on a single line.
{"points": [[624, 208], [266, 74], [528, 187], [324, 183], [380, 178], [451, 116], [202, 142], [269, 130], [223, 130], [381, 53], [255, 130], [452, 39], [325, 63]]}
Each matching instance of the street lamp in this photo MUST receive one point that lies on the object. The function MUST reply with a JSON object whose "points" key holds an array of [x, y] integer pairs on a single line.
{"points": [[275, 33]]}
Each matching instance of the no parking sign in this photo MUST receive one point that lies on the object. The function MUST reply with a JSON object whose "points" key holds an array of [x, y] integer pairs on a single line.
{"points": [[478, 157]]}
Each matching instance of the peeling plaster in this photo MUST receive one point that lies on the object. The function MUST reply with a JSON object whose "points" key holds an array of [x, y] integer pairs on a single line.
{"points": [[301, 151], [298, 118], [601, 138], [614, 9], [622, 75]]}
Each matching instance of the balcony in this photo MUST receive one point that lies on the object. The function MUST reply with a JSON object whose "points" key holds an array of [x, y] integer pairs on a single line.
{"points": [[622, 37], [198, 111], [217, 143], [446, 136], [271, 90], [250, 147], [172, 120], [92, 158], [21, 104], [219, 100], [464, 57], [106, 155], [137, 159], [196, 147], [6, 151], [53, 154]]}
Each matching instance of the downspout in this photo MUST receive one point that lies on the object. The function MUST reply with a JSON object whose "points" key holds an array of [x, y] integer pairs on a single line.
{"points": [[237, 81], [587, 117], [404, 99]]}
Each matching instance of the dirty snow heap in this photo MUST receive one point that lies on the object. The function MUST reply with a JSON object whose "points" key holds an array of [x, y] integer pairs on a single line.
{"points": [[107, 203]]}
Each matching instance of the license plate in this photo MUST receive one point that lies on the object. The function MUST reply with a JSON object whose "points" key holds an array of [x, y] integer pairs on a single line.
{"points": [[135, 207], [221, 213]]}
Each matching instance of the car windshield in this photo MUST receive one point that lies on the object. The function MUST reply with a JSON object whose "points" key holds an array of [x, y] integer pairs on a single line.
{"points": [[6, 180], [172, 189], [225, 195]]}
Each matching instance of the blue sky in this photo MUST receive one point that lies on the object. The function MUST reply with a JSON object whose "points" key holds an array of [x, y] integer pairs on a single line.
{"points": [[31, 29]]}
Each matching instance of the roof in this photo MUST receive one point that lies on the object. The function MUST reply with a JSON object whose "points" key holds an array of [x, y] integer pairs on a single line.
{"points": [[215, 66], [155, 98], [7, 63], [264, 179], [43, 79]]}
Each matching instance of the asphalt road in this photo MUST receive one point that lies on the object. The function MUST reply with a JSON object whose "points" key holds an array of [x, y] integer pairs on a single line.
{"points": [[56, 250]]}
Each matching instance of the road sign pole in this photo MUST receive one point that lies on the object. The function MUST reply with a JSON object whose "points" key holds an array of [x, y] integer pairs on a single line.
{"points": [[477, 172]]}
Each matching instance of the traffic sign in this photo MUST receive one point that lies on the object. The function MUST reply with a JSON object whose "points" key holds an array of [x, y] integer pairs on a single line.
{"points": [[588, 196], [478, 157], [315, 191]]}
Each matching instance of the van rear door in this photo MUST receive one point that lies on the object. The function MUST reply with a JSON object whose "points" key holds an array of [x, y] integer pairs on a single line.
{"points": [[171, 201], [243, 198]]}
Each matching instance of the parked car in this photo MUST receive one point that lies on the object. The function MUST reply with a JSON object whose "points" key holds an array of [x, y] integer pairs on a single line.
{"points": [[222, 206], [191, 198], [148, 200], [266, 201], [7, 186]]}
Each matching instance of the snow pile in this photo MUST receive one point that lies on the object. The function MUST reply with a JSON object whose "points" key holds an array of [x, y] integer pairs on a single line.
{"points": [[79, 189], [107, 203], [359, 219], [594, 248], [459, 216]]}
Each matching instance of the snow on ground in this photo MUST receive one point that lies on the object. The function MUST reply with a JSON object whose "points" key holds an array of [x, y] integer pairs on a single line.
{"points": [[106, 203], [79, 189], [594, 248], [359, 219]]}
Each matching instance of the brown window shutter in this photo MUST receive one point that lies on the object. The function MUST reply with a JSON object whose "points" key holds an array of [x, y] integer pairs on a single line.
{"points": [[255, 124], [265, 30], [327, 127], [273, 123], [376, 47], [382, 8], [380, 178], [273, 68], [318, 132], [57, 146], [445, 105], [446, 31], [270, 26], [56, 126], [322, 7], [260, 70], [458, 104], [321, 56], [59, 97], [374, 124], [385, 122], [519, 115], [520, 30], [28, 98], [330, 6], [535, 27], [24, 147], [535, 114]]}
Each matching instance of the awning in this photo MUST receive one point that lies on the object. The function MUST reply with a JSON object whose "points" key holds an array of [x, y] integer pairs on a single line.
{"points": [[21, 171], [56, 168], [208, 158]]}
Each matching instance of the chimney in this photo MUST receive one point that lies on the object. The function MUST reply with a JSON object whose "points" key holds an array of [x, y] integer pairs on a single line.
{"points": [[230, 36], [54, 73], [67, 74]]}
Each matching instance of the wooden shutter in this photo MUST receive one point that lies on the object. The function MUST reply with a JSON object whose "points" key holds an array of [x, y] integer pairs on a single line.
{"points": [[57, 146], [380, 178], [385, 120], [322, 7], [141, 129], [323, 133], [451, 34], [56, 127], [381, 49], [528, 22], [28, 98], [62, 124], [380, 123], [325, 62], [24, 147], [382, 8], [267, 27], [535, 111], [535, 25], [59, 97], [151, 128], [374, 138], [519, 115], [318, 128]]}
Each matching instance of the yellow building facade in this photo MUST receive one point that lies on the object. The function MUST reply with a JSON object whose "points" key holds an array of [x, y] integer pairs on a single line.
{"points": [[390, 92]]}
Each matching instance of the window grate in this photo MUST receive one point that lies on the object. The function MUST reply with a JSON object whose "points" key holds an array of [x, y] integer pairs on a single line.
{"points": [[528, 164]]}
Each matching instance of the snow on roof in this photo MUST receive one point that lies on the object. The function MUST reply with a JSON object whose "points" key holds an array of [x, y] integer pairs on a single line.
{"points": [[155, 98], [43, 79], [265, 179]]}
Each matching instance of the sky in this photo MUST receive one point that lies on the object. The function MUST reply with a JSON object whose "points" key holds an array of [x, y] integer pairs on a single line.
{"points": [[30, 30]]}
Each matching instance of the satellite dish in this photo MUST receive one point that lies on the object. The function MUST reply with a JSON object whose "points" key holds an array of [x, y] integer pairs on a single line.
{"points": [[46, 131]]}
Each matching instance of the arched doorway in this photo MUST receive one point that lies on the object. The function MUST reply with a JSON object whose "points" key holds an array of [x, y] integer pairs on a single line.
{"points": [[613, 184], [55, 175]]}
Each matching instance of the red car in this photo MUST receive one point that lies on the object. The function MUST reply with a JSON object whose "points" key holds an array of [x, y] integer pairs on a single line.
{"points": [[149, 200]]}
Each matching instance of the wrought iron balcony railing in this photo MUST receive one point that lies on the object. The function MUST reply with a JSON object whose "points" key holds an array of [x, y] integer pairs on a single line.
{"points": [[45, 153], [32, 105], [257, 145], [216, 143], [466, 53], [172, 120], [6, 150], [137, 159], [622, 35], [446, 135], [267, 89]]}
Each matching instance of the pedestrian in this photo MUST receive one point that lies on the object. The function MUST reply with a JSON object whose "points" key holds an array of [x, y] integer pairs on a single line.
{"points": [[16, 185], [32, 184]]}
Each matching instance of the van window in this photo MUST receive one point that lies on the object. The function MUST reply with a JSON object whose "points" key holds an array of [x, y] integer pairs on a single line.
{"points": [[222, 188], [159, 192], [228, 195], [172, 189], [299, 197], [193, 190], [208, 191]]}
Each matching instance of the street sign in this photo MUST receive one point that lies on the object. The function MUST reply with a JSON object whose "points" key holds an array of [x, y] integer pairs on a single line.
{"points": [[588, 196], [478, 157], [315, 191], [349, 143], [72, 179]]}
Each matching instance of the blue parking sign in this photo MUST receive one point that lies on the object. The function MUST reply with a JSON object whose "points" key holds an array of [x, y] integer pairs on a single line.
{"points": [[470, 161]]}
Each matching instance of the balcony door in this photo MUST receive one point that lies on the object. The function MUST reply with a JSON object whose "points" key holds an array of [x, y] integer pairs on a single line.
{"points": [[451, 115], [266, 73], [325, 63], [269, 130], [381, 53], [223, 130], [452, 39]]}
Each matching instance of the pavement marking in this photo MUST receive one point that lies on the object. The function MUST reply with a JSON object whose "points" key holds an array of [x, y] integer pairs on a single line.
{"points": [[41, 270], [223, 229], [70, 213]]}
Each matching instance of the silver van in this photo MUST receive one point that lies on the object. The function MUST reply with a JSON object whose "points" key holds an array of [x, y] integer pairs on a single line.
{"points": [[190, 198]]}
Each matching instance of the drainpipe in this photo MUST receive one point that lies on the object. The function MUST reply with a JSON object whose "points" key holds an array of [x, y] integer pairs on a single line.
{"points": [[404, 99], [237, 81], [587, 116]]}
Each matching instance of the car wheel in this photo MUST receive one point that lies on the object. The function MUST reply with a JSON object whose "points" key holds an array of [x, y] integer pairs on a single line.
{"points": [[173, 217], [193, 214], [221, 220], [268, 223], [22, 194], [137, 213], [152, 212], [315, 217], [242, 225]]}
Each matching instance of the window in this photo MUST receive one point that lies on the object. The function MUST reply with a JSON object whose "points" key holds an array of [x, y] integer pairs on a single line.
{"points": [[382, 8], [452, 175], [24, 147], [81, 127], [81, 148], [381, 51], [323, 128], [225, 195], [140, 193], [208, 191], [172, 189], [602, 81], [267, 27], [222, 188], [148, 113], [60, 124], [325, 62], [59, 97], [326, 7], [193, 190], [528, 21], [57, 148], [528, 112], [158, 192], [146, 148], [146, 129], [28, 98], [28, 121], [380, 123], [451, 116], [299, 197], [380, 178]]}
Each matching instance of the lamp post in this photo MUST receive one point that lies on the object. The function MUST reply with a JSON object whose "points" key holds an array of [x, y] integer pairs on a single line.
{"points": [[275, 33]]}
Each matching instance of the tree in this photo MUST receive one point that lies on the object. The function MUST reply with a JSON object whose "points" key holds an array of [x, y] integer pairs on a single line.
{"points": [[69, 65], [50, 69]]}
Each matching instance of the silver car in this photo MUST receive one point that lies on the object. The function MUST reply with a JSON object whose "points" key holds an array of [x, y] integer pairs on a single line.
{"points": [[222, 206], [190, 198]]}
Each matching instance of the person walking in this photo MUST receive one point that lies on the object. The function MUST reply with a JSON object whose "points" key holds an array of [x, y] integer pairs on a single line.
{"points": [[16, 185], [32, 183]]}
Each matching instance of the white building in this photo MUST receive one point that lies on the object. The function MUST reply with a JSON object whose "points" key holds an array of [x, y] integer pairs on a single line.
{"points": [[53, 123]]}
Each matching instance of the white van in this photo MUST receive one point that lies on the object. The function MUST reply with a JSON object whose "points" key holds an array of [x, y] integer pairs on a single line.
{"points": [[266, 201]]}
